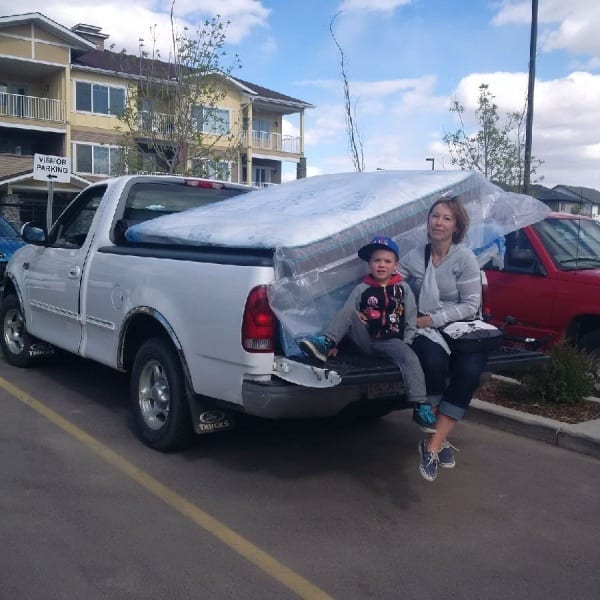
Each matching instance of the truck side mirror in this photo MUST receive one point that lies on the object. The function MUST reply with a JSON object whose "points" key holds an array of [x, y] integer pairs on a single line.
{"points": [[33, 235]]}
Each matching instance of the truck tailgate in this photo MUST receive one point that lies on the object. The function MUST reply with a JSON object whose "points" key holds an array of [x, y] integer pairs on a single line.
{"points": [[360, 369]]}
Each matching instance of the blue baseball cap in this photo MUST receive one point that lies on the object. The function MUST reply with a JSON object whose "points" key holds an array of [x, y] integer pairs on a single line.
{"points": [[379, 243]]}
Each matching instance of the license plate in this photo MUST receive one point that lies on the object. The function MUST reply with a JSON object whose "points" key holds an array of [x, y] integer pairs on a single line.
{"points": [[383, 389]]}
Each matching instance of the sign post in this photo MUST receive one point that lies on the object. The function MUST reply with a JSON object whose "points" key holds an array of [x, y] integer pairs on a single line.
{"points": [[51, 168]]}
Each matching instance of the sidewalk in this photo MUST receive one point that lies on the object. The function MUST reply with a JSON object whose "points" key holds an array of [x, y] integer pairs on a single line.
{"points": [[583, 437]]}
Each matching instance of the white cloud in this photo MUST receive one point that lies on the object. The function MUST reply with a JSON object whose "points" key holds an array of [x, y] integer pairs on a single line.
{"points": [[577, 34], [566, 121], [571, 26], [324, 125]]}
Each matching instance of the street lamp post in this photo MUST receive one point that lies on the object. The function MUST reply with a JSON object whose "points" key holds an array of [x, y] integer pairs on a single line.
{"points": [[432, 161]]}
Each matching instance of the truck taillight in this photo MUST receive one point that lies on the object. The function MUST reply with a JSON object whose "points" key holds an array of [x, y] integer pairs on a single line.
{"points": [[485, 303], [258, 324]]}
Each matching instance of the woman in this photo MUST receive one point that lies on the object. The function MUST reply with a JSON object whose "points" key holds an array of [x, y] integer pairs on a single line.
{"points": [[447, 288]]}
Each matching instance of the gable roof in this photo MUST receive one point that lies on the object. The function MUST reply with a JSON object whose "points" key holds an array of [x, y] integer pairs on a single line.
{"points": [[581, 194], [74, 40], [547, 194], [129, 65]]}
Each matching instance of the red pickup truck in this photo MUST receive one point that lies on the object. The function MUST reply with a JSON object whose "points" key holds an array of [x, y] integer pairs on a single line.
{"points": [[550, 282]]}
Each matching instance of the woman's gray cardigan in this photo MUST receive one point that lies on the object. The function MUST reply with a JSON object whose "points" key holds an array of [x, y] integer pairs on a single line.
{"points": [[458, 278]]}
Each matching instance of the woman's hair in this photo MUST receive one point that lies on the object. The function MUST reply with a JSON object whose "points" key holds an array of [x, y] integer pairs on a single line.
{"points": [[461, 216]]}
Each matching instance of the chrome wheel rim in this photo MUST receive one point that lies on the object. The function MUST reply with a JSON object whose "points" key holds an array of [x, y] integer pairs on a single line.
{"points": [[14, 328], [154, 395]]}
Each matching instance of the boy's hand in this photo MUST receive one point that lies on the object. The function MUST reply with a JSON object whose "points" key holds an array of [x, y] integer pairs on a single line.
{"points": [[424, 322]]}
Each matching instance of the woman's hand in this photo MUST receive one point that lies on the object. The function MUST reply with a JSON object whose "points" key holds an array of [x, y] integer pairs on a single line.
{"points": [[424, 322]]}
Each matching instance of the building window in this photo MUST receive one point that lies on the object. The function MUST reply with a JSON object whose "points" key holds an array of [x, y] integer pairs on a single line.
{"points": [[261, 176], [100, 99], [213, 121], [211, 169], [95, 159]]}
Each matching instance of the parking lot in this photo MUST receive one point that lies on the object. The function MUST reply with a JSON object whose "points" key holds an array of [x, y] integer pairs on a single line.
{"points": [[278, 510]]}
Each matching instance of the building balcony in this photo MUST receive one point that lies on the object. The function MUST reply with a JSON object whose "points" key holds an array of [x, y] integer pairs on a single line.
{"points": [[33, 108], [153, 122], [265, 140]]}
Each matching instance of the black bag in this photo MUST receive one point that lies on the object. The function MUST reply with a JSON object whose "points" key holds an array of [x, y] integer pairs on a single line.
{"points": [[474, 335]]}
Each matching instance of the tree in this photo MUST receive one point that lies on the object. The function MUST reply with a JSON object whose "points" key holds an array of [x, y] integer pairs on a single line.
{"points": [[497, 149], [172, 118], [354, 139]]}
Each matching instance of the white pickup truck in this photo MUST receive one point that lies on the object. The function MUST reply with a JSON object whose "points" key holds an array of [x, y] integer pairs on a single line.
{"points": [[191, 324]]}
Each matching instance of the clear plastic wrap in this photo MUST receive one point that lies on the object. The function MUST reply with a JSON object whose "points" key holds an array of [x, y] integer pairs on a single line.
{"points": [[314, 280], [316, 225]]}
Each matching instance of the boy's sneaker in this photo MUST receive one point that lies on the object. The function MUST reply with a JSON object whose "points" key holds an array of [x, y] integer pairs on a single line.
{"points": [[428, 465], [446, 456], [316, 346], [424, 417]]}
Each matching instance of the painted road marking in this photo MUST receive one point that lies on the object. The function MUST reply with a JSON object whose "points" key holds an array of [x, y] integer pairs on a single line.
{"points": [[272, 567]]}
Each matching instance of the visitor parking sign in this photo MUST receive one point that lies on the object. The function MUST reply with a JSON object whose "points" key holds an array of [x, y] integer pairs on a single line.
{"points": [[51, 168]]}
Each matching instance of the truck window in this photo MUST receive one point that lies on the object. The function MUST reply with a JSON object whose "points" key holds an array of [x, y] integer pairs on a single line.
{"points": [[520, 257], [149, 200], [72, 227]]}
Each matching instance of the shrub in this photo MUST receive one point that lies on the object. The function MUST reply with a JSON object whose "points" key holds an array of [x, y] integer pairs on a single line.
{"points": [[565, 378]]}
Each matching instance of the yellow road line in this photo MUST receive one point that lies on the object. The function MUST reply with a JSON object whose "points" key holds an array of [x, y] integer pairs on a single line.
{"points": [[272, 567]]}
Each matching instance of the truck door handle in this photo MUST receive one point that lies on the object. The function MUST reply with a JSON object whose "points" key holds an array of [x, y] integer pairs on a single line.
{"points": [[74, 273]]}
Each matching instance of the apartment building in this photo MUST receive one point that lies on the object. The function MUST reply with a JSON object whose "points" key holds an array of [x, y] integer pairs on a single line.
{"points": [[61, 91]]}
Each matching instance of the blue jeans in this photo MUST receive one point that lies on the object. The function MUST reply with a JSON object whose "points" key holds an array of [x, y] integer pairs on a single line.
{"points": [[462, 370]]}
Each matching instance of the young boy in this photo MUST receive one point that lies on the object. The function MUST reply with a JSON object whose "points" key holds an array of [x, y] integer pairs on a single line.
{"points": [[380, 317]]}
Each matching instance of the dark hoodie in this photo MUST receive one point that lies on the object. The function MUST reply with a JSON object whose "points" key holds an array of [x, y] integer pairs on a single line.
{"points": [[383, 306]]}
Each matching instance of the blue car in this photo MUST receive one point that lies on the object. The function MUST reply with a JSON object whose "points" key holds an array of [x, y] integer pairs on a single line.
{"points": [[10, 240]]}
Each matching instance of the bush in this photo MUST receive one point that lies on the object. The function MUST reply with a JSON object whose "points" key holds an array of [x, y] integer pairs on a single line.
{"points": [[565, 379]]}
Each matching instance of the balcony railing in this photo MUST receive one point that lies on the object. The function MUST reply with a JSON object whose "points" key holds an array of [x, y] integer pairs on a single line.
{"points": [[160, 123], [265, 140], [32, 107]]}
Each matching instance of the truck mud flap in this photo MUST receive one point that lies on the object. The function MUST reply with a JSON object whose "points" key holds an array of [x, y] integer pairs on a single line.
{"points": [[304, 374], [208, 418]]}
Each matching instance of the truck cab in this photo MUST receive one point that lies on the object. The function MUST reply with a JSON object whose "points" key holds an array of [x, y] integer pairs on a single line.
{"points": [[549, 284]]}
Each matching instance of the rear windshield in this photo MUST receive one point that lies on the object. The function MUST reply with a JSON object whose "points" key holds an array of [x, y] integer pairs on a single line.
{"points": [[153, 199]]}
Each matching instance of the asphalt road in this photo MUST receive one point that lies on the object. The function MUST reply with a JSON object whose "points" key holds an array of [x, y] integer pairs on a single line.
{"points": [[278, 510]]}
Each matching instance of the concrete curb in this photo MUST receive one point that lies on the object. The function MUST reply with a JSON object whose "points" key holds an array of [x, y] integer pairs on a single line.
{"points": [[583, 437]]}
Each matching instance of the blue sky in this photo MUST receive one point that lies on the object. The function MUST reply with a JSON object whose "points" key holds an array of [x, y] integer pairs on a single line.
{"points": [[406, 61]]}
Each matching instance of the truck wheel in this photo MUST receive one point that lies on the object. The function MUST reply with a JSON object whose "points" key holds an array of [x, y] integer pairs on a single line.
{"points": [[158, 397], [19, 348]]}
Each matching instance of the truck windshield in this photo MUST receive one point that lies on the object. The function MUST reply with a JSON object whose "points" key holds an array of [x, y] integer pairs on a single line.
{"points": [[572, 243]]}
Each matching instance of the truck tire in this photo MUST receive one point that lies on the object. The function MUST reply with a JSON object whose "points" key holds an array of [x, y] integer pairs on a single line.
{"points": [[19, 348], [158, 397]]}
